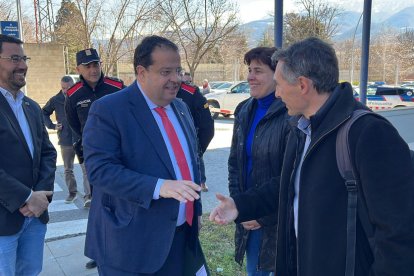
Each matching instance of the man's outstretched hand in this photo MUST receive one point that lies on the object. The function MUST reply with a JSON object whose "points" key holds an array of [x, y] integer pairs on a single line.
{"points": [[225, 212]]}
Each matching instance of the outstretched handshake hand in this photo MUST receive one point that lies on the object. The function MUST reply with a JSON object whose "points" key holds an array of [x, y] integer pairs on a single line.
{"points": [[225, 212]]}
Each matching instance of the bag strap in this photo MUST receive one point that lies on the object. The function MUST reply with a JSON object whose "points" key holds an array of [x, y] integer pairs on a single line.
{"points": [[346, 169]]}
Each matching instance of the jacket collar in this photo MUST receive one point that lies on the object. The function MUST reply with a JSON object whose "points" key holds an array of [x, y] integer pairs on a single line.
{"points": [[251, 104], [336, 110], [85, 83]]}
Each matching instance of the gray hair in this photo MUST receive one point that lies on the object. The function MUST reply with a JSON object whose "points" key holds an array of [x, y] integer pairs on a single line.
{"points": [[312, 58], [67, 79]]}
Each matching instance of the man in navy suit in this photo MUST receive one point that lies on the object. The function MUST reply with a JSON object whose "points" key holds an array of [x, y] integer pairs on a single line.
{"points": [[141, 156], [27, 167]]}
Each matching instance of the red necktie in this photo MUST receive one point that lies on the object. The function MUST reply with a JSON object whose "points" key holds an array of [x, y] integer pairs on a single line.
{"points": [[179, 156]]}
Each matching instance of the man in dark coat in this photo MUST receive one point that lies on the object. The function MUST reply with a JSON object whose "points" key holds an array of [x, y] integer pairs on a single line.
{"points": [[65, 134], [312, 232]]}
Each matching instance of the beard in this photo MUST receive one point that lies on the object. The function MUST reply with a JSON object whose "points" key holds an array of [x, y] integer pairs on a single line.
{"points": [[17, 79]]}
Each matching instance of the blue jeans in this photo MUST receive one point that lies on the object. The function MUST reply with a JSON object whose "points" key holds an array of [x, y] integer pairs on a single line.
{"points": [[21, 254], [252, 254]]}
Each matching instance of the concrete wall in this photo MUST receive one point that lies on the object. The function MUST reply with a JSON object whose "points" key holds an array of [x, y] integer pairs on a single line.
{"points": [[211, 72], [46, 68]]}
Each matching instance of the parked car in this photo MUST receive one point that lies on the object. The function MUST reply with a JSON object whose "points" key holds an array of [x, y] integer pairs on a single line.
{"points": [[390, 97], [408, 85], [216, 84], [225, 102], [393, 90], [222, 87], [75, 78]]}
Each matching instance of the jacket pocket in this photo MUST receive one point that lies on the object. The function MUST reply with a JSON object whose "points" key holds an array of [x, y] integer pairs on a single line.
{"points": [[118, 211]]}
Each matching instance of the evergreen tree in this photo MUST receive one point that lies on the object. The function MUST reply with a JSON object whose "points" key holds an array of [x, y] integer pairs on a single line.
{"points": [[69, 31]]}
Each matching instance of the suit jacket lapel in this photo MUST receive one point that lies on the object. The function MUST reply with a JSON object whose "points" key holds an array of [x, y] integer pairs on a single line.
{"points": [[8, 113], [145, 119]]}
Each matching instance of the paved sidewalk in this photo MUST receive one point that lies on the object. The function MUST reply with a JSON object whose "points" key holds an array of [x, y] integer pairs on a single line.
{"points": [[65, 258]]}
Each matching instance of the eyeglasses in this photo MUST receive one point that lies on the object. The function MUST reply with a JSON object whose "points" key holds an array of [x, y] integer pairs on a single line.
{"points": [[168, 72], [16, 58]]}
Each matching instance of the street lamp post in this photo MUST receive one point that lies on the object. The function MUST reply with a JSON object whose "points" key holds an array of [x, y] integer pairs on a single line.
{"points": [[278, 21], [19, 19], [366, 30], [352, 52]]}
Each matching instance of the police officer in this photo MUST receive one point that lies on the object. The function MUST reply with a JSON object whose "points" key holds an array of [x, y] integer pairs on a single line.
{"points": [[203, 122], [92, 85]]}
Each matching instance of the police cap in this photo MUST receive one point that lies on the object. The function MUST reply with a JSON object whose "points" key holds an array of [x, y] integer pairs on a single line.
{"points": [[87, 56]]}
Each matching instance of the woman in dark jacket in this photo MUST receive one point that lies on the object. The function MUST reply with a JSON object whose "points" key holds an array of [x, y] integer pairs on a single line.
{"points": [[260, 131]]}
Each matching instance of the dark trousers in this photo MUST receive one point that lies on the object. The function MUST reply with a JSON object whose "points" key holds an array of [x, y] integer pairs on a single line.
{"points": [[174, 265]]}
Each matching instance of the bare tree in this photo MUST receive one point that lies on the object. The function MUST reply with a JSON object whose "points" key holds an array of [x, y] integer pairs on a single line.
{"points": [[6, 8], [318, 19], [405, 51], [267, 39], [198, 26], [8, 13], [384, 57], [298, 28], [90, 11], [129, 18], [111, 27], [227, 57], [321, 13]]}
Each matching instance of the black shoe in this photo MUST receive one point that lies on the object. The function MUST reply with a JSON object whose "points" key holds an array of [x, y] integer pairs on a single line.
{"points": [[91, 264]]}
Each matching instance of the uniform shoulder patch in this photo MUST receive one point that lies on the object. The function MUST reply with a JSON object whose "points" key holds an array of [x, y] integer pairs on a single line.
{"points": [[188, 88], [114, 82], [72, 90]]}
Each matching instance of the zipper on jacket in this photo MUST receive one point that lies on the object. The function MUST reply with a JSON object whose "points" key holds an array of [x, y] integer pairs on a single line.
{"points": [[300, 180]]}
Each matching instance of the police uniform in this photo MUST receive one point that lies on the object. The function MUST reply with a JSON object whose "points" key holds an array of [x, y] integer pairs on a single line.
{"points": [[198, 105], [80, 97]]}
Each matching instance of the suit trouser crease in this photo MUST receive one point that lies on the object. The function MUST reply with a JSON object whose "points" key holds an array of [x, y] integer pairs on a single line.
{"points": [[68, 156], [86, 185]]}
